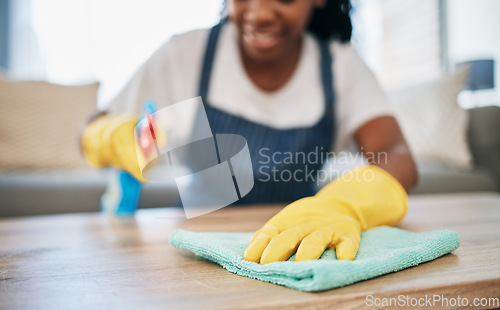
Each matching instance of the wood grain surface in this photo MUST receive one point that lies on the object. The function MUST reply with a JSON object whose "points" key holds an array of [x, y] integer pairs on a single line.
{"points": [[94, 262]]}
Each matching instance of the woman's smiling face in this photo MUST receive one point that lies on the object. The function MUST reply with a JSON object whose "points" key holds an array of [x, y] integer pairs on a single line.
{"points": [[268, 30]]}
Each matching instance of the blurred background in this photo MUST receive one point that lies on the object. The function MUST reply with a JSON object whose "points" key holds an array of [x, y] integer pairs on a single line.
{"points": [[59, 59], [77, 41]]}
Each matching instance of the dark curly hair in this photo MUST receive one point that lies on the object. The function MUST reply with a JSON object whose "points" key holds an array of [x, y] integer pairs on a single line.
{"points": [[332, 21]]}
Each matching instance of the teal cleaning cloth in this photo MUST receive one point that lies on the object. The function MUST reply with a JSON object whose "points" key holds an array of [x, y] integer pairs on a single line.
{"points": [[382, 250]]}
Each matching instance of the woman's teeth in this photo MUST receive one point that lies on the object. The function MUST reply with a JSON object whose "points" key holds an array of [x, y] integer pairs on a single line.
{"points": [[261, 40], [263, 36]]}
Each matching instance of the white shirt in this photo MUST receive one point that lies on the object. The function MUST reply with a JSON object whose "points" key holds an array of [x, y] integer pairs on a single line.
{"points": [[172, 75]]}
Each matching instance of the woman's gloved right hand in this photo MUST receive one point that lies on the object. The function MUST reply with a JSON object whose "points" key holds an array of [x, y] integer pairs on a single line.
{"points": [[364, 198], [109, 141]]}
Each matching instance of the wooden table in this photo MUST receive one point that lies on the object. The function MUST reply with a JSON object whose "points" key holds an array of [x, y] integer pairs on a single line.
{"points": [[89, 261]]}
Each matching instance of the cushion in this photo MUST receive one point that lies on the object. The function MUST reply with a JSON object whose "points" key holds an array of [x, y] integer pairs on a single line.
{"points": [[40, 123], [432, 122]]}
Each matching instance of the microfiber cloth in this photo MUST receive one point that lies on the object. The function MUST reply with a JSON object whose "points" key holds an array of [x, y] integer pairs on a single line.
{"points": [[382, 250]]}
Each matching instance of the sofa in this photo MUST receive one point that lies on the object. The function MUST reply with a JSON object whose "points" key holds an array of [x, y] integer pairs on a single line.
{"points": [[65, 191], [484, 142]]}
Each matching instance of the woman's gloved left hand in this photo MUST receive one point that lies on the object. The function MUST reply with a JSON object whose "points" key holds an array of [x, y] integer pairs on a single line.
{"points": [[334, 218]]}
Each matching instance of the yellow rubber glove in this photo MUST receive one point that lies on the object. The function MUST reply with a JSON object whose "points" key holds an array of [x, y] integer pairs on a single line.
{"points": [[109, 140], [334, 218]]}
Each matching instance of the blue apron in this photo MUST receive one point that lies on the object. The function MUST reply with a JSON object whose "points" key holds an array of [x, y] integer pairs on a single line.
{"points": [[274, 180]]}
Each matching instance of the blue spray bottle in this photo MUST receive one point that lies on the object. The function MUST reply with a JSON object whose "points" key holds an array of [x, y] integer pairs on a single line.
{"points": [[123, 192]]}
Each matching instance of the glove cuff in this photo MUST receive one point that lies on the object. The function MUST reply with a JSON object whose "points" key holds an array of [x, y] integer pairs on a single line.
{"points": [[371, 193], [92, 142], [96, 139]]}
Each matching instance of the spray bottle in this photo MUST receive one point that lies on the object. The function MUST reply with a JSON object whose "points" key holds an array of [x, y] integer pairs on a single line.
{"points": [[121, 198]]}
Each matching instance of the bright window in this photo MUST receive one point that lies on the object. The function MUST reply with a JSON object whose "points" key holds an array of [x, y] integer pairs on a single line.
{"points": [[77, 41]]}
